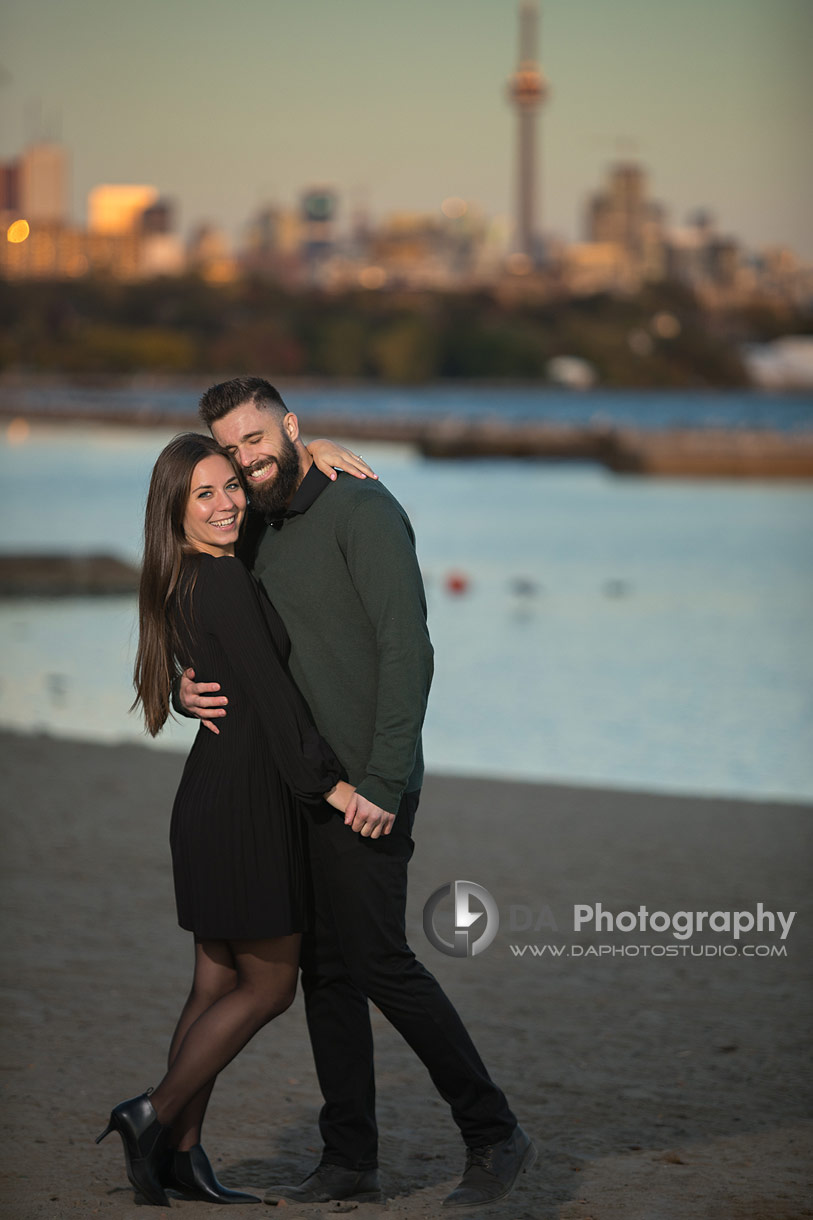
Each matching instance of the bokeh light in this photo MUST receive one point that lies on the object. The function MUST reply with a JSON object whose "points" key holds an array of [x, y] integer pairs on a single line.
{"points": [[519, 264], [640, 342], [372, 277], [17, 431], [18, 231], [666, 326], [454, 207]]}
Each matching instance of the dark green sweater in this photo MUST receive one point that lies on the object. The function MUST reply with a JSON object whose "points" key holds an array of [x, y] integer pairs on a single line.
{"points": [[343, 574]]}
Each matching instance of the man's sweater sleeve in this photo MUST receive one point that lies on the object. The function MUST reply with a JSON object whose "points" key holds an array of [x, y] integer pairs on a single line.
{"points": [[175, 699], [383, 566]]}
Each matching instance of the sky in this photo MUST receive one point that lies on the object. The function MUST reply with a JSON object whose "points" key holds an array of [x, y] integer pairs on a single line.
{"points": [[227, 105]]}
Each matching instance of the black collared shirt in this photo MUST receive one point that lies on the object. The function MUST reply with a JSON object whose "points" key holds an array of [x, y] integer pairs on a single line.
{"points": [[311, 487], [306, 494]]}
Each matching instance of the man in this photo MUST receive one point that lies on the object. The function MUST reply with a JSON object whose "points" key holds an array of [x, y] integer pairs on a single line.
{"points": [[338, 560]]}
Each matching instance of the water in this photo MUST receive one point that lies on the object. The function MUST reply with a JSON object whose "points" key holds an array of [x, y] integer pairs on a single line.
{"points": [[615, 631], [640, 409]]}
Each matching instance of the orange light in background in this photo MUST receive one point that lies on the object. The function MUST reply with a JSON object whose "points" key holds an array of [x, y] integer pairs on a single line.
{"points": [[220, 271], [372, 277], [17, 431], [454, 207], [18, 230]]}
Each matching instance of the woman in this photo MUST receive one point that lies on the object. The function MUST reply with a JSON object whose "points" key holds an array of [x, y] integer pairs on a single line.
{"points": [[238, 863]]}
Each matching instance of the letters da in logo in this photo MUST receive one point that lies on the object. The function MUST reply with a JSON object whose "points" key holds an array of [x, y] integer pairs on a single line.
{"points": [[469, 940]]}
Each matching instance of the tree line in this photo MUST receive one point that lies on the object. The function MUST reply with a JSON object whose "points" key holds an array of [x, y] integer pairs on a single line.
{"points": [[179, 326]]}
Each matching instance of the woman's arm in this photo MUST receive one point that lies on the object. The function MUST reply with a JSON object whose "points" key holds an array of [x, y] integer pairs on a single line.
{"points": [[342, 797], [330, 456]]}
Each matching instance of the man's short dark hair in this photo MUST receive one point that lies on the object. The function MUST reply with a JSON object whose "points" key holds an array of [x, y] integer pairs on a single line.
{"points": [[220, 399]]}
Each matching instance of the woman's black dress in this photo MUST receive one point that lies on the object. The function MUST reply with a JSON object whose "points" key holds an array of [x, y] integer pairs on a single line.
{"points": [[235, 834]]}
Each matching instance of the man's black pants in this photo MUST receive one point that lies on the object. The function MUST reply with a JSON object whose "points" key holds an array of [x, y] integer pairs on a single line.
{"points": [[356, 950]]}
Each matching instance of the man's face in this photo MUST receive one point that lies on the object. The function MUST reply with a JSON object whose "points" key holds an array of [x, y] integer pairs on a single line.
{"points": [[264, 449]]}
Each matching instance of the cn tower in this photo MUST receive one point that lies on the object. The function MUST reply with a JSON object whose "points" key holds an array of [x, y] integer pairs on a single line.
{"points": [[527, 90]]}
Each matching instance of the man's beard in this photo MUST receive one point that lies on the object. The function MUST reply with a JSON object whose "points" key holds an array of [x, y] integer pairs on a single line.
{"points": [[274, 495]]}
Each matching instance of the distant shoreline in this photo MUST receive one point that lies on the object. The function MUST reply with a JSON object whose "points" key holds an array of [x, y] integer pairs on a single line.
{"points": [[686, 452], [197, 382]]}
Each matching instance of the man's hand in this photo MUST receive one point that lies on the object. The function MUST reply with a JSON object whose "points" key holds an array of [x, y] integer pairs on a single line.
{"points": [[368, 819], [329, 457], [197, 700]]}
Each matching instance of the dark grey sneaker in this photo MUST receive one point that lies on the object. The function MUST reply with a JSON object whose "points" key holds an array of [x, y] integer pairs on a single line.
{"points": [[328, 1182], [491, 1172]]}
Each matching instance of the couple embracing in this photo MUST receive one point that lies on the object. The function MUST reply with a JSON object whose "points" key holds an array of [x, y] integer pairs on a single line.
{"points": [[291, 831]]}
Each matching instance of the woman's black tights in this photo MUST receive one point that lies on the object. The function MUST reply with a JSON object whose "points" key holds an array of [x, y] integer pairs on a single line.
{"points": [[238, 987]]}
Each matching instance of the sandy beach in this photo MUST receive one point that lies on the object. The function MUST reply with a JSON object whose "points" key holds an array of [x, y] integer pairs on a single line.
{"points": [[656, 1086]]}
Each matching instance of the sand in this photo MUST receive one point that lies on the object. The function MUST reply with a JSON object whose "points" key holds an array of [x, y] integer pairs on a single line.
{"points": [[655, 1087]]}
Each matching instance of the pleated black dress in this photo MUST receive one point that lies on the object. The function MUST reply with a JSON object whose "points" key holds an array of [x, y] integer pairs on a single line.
{"points": [[236, 831]]}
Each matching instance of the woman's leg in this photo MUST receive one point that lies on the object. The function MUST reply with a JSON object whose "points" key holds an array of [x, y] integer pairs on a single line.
{"points": [[215, 976], [265, 985]]}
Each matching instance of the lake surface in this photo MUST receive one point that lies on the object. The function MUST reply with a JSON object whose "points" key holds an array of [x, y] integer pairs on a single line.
{"points": [[611, 630], [623, 408]]}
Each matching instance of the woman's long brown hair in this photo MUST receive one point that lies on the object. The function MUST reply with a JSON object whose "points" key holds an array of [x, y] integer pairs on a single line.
{"points": [[168, 573]]}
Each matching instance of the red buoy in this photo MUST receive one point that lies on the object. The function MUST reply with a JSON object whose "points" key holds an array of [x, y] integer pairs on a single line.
{"points": [[457, 582]]}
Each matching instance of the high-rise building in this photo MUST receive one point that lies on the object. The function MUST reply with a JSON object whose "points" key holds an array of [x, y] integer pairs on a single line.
{"points": [[118, 210], [624, 215], [43, 184], [10, 186], [527, 90], [318, 209], [319, 206], [158, 218], [209, 255], [271, 245]]}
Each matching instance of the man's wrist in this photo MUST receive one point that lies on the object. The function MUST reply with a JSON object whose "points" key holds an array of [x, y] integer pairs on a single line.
{"points": [[380, 792], [177, 706]]}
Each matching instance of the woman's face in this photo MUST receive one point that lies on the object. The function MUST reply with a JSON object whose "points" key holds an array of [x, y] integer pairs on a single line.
{"points": [[215, 508]]}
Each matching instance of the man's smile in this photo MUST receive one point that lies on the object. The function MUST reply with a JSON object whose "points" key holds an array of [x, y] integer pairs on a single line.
{"points": [[258, 474]]}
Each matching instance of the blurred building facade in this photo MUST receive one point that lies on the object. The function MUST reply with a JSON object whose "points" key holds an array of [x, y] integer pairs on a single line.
{"points": [[317, 243], [129, 232], [117, 210], [623, 215], [132, 233], [43, 184]]}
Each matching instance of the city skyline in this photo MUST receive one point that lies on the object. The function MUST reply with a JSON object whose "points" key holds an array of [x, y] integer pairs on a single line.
{"points": [[224, 110]]}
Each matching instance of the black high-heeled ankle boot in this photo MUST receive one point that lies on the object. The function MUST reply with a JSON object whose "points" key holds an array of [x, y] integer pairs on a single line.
{"points": [[145, 1143], [191, 1175]]}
